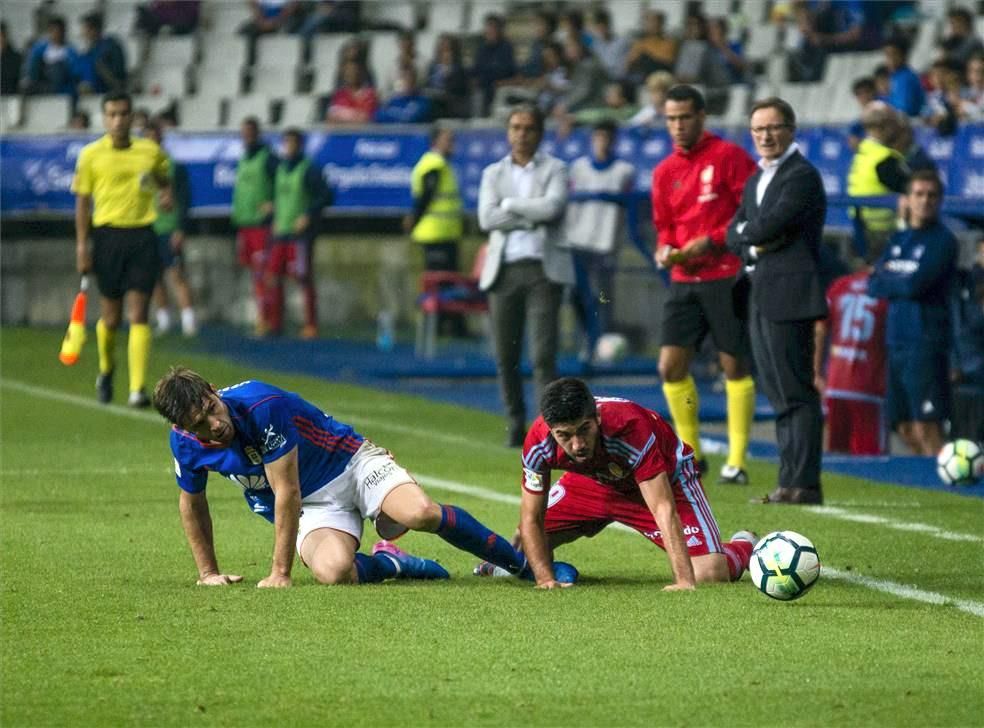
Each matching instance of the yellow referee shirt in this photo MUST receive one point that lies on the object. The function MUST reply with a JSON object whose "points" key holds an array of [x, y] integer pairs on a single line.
{"points": [[120, 181]]}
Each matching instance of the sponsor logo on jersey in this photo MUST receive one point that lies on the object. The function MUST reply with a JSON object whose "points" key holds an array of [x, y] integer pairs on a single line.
{"points": [[532, 480], [557, 493], [378, 475], [694, 541], [250, 482], [272, 440], [707, 192], [253, 455]]}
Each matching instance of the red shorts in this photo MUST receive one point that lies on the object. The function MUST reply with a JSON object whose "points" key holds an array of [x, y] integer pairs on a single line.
{"points": [[251, 245], [292, 257], [578, 502], [855, 427]]}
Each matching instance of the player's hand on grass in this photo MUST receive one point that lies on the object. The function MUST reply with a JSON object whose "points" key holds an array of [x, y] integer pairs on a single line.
{"points": [[552, 584], [215, 579], [275, 581], [680, 586]]}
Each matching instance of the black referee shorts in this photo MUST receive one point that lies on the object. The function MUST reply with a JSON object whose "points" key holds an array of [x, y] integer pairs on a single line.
{"points": [[691, 310], [125, 259]]}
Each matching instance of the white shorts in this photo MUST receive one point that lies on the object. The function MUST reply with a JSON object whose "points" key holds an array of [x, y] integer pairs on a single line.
{"points": [[358, 493]]}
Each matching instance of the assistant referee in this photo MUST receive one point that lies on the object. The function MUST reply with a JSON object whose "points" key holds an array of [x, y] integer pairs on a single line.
{"points": [[116, 180]]}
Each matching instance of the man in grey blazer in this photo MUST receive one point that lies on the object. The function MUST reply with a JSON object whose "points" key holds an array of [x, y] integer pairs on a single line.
{"points": [[521, 205], [777, 231]]}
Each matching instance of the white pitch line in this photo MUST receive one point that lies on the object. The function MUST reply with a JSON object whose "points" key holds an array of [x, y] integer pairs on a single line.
{"points": [[901, 591], [934, 531]]}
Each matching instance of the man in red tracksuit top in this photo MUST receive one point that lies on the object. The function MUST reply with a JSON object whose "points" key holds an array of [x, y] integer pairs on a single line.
{"points": [[695, 193]]}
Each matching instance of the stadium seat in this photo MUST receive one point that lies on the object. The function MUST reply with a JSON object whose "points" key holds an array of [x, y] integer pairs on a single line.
{"points": [[425, 43], [324, 61], [119, 18], [924, 44], [674, 12], [239, 107], [846, 67], [165, 80], [223, 17], [389, 15], [272, 80], [155, 104], [134, 47], [200, 112], [164, 51], [448, 292], [296, 111], [220, 51], [283, 51], [383, 52], [479, 9], [217, 82], [446, 17], [10, 112], [42, 114], [739, 101], [763, 39], [20, 22]]}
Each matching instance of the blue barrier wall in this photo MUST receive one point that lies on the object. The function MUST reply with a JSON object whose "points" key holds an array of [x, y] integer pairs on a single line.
{"points": [[370, 169]]}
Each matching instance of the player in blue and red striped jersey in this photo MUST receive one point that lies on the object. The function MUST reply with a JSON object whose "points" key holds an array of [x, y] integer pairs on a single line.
{"points": [[623, 464], [315, 478]]}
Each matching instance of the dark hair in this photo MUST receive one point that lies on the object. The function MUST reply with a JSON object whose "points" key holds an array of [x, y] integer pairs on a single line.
{"points": [[575, 18], [549, 19], [899, 44], [925, 175], [436, 131], [179, 393], [880, 70], [293, 131], [774, 102], [58, 21], [530, 109], [629, 90], [117, 96], [251, 121], [601, 16], [682, 92], [865, 83], [497, 20], [567, 400], [606, 125], [961, 13], [94, 20], [3, 27]]}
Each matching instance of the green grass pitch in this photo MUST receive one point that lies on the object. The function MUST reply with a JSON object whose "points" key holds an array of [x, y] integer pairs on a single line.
{"points": [[102, 623]]}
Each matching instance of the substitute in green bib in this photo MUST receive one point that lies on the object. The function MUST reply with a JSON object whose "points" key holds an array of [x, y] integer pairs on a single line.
{"points": [[435, 223], [300, 194]]}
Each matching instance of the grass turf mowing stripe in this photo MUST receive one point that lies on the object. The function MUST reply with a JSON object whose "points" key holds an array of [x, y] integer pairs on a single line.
{"points": [[934, 531], [899, 590]]}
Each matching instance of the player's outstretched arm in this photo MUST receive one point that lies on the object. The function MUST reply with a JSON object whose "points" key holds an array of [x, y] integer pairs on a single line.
{"points": [[659, 497], [532, 510], [197, 522], [285, 481]]}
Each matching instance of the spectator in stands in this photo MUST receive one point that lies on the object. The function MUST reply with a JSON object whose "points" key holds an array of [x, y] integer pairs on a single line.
{"points": [[697, 62], [355, 49], [972, 101], [805, 56], [915, 157], [610, 49], [300, 194], [79, 120], [50, 67], [960, 42], [915, 274], [407, 105], [102, 66], [332, 16], [651, 114], [864, 93], [494, 59], [944, 102], [170, 227], [252, 209], [10, 64], [619, 105], [521, 205], [967, 362], [272, 16], [877, 169], [905, 91], [653, 51], [587, 79], [141, 117], [730, 52], [355, 101], [178, 16], [595, 230], [883, 82], [544, 27], [556, 78], [406, 57], [571, 25], [447, 82]]}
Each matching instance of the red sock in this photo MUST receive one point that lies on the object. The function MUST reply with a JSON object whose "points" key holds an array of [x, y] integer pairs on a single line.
{"points": [[738, 554], [274, 309]]}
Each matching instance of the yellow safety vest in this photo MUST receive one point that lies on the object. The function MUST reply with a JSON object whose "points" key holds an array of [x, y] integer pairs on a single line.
{"points": [[862, 181], [441, 221]]}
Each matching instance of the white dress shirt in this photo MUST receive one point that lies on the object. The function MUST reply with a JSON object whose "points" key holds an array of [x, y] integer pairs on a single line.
{"points": [[769, 168], [522, 244]]}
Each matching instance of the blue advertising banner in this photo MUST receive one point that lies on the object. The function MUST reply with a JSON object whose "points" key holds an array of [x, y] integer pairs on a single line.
{"points": [[370, 170]]}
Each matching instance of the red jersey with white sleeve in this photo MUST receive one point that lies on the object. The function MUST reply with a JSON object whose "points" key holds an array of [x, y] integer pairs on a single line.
{"points": [[856, 364], [696, 192]]}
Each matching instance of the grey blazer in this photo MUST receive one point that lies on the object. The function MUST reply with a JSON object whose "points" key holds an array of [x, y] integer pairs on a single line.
{"points": [[545, 209]]}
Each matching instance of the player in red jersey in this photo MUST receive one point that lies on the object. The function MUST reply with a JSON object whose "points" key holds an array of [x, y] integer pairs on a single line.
{"points": [[854, 386], [695, 193], [623, 464]]}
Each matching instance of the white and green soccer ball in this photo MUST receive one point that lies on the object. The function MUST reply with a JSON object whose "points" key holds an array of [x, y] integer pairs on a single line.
{"points": [[784, 565], [611, 347], [960, 462]]}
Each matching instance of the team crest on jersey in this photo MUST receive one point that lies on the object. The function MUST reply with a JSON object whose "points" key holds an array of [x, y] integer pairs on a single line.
{"points": [[532, 481], [617, 470], [557, 493], [253, 455], [272, 440], [707, 192]]}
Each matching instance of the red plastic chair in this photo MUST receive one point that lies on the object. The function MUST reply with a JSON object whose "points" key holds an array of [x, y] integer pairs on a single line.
{"points": [[443, 292]]}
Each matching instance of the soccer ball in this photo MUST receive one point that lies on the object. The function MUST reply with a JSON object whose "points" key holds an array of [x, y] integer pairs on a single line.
{"points": [[784, 565], [960, 462], [610, 348]]}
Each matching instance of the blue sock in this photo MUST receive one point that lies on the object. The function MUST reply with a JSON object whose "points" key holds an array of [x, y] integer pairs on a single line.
{"points": [[374, 568], [460, 529]]}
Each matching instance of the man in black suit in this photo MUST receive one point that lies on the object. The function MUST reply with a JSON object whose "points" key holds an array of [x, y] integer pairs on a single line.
{"points": [[777, 232]]}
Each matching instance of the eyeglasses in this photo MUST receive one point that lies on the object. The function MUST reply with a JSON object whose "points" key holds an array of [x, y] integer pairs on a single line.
{"points": [[770, 129]]}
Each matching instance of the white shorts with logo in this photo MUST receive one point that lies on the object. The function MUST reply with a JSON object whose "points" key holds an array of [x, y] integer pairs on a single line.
{"points": [[358, 493]]}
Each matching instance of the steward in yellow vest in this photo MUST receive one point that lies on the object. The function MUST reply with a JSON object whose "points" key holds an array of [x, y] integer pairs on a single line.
{"points": [[437, 204]]}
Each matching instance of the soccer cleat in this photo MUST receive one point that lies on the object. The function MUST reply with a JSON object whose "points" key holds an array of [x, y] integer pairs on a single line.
{"points": [[563, 572], [733, 475], [747, 536], [408, 566], [104, 388], [138, 399], [487, 568]]}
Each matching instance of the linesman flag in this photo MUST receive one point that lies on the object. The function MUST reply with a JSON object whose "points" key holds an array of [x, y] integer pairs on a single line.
{"points": [[71, 348]]}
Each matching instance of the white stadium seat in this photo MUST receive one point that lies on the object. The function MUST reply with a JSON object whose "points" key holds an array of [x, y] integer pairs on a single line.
{"points": [[846, 67], [43, 114], [446, 16], [283, 51], [297, 111], [223, 51], [225, 16], [165, 80], [240, 107], [166, 51], [200, 112], [155, 104], [10, 112], [273, 81], [481, 8], [324, 60], [219, 82], [674, 12], [399, 14], [626, 16]]}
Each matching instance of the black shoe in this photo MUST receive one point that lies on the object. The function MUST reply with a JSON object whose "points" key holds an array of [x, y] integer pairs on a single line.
{"points": [[516, 436], [731, 475], [104, 388], [792, 496], [138, 400]]}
